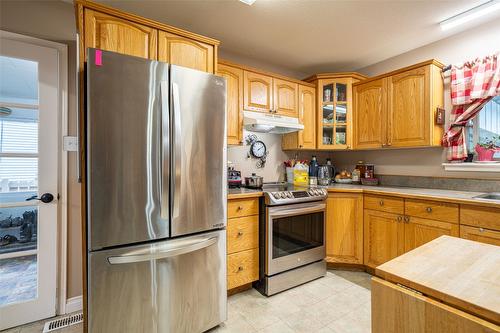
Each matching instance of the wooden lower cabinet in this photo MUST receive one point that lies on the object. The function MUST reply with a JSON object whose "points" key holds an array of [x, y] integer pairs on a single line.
{"points": [[399, 310], [242, 242], [242, 268], [480, 235], [383, 237], [344, 228], [419, 231]]}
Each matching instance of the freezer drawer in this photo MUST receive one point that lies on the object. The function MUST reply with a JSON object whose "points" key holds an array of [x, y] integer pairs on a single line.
{"points": [[169, 286]]}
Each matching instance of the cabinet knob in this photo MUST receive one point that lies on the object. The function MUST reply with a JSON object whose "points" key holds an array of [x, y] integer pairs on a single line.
{"points": [[240, 268], [481, 230], [240, 207], [407, 219], [400, 218], [348, 146], [300, 146], [429, 209], [381, 203], [240, 233]]}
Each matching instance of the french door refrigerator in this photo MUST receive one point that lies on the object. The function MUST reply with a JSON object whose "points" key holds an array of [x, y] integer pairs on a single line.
{"points": [[156, 187]]}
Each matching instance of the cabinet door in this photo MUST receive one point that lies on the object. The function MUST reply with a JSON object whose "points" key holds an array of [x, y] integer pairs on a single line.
{"points": [[234, 84], [344, 228], [383, 237], [419, 231], [305, 139], [185, 52], [111, 33], [480, 235], [408, 109], [370, 116], [307, 112], [285, 98], [257, 92]]}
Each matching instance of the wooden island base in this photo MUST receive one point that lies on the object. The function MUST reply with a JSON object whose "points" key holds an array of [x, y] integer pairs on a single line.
{"points": [[449, 285]]}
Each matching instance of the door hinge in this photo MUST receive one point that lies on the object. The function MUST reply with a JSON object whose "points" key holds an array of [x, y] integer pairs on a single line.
{"points": [[409, 289]]}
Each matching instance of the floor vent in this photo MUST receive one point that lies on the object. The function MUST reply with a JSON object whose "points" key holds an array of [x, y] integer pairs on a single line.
{"points": [[62, 322]]}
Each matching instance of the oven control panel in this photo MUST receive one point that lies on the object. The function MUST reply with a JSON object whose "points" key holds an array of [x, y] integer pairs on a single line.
{"points": [[289, 197]]}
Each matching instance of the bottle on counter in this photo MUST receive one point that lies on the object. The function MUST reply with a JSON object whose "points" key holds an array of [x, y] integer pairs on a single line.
{"points": [[332, 170], [313, 171], [356, 176]]}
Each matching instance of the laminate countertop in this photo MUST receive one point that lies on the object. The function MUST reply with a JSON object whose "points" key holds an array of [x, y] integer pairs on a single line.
{"points": [[462, 197], [458, 272]]}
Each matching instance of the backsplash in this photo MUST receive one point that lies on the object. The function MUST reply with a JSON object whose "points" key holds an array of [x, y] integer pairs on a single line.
{"points": [[273, 169]]}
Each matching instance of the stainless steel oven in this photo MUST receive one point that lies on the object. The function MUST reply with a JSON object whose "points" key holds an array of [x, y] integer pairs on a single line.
{"points": [[292, 245], [295, 236]]}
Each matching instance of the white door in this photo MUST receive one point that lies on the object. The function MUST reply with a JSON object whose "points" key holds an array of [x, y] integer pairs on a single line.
{"points": [[29, 129]]}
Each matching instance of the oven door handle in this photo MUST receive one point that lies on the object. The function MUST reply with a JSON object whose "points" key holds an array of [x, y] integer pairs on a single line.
{"points": [[296, 211]]}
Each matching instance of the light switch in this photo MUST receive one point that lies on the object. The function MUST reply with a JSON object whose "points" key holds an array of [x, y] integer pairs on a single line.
{"points": [[70, 143]]}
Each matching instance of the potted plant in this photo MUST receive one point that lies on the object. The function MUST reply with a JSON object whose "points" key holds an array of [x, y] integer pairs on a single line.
{"points": [[487, 148]]}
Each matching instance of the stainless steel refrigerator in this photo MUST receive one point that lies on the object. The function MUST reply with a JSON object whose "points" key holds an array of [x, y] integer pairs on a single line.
{"points": [[156, 184]]}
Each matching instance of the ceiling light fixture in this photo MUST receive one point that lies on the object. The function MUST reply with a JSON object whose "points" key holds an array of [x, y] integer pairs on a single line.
{"points": [[248, 2], [470, 15]]}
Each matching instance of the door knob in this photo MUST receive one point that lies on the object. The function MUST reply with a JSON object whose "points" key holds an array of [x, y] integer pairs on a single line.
{"points": [[45, 198]]}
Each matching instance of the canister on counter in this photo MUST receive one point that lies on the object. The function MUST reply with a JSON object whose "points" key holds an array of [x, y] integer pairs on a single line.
{"points": [[361, 166], [369, 171]]}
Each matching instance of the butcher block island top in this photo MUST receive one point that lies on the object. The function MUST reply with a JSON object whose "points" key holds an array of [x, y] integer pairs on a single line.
{"points": [[459, 272]]}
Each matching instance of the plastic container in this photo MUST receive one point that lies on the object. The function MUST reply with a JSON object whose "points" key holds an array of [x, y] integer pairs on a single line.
{"points": [[289, 175], [301, 174]]}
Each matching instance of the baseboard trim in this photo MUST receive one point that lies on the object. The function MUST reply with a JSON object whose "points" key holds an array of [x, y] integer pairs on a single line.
{"points": [[74, 304]]}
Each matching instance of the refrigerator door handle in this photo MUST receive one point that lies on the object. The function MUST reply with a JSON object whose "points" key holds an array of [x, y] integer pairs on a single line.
{"points": [[176, 156], [165, 143], [173, 252]]}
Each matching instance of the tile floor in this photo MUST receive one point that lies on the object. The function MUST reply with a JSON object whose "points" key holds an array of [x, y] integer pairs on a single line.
{"points": [[336, 303]]}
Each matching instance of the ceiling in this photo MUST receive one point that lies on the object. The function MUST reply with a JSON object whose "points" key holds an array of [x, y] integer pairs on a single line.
{"points": [[309, 36]]}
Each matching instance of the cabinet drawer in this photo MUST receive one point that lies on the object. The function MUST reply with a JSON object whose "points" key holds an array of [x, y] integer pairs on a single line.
{"points": [[434, 210], [384, 204], [485, 217], [242, 268], [242, 207], [480, 235], [242, 233]]}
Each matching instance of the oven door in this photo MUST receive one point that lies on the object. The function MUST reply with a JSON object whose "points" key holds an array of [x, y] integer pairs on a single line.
{"points": [[295, 236]]}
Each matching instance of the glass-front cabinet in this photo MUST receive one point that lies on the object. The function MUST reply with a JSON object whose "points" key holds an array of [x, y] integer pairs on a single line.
{"points": [[335, 110]]}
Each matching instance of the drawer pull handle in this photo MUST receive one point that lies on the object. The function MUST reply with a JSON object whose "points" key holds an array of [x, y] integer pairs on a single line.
{"points": [[240, 268], [240, 207], [429, 209], [400, 218], [240, 233], [381, 203]]}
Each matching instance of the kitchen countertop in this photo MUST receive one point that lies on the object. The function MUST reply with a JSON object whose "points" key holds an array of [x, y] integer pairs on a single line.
{"points": [[463, 197], [456, 271]]}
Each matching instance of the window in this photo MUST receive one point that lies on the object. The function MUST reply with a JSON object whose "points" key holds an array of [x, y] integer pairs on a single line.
{"points": [[485, 125]]}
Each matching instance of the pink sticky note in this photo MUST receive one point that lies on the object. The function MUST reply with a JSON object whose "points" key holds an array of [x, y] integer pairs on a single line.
{"points": [[98, 57]]}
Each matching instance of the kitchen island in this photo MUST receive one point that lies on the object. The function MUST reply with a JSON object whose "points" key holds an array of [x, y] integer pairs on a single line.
{"points": [[446, 285]]}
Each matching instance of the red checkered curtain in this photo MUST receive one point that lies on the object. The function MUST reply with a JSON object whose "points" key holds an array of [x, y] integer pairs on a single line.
{"points": [[473, 84]]}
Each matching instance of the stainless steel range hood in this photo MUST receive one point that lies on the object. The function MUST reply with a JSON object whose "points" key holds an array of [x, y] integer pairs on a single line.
{"points": [[270, 123]]}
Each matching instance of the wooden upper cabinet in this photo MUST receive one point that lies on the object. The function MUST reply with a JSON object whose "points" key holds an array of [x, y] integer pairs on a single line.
{"points": [[305, 139], [307, 112], [257, 92], [344, 228], [383, 237], [111, 33], [234, 84], [370, 101], [408, 108], [285, 98], [185, 52]]}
